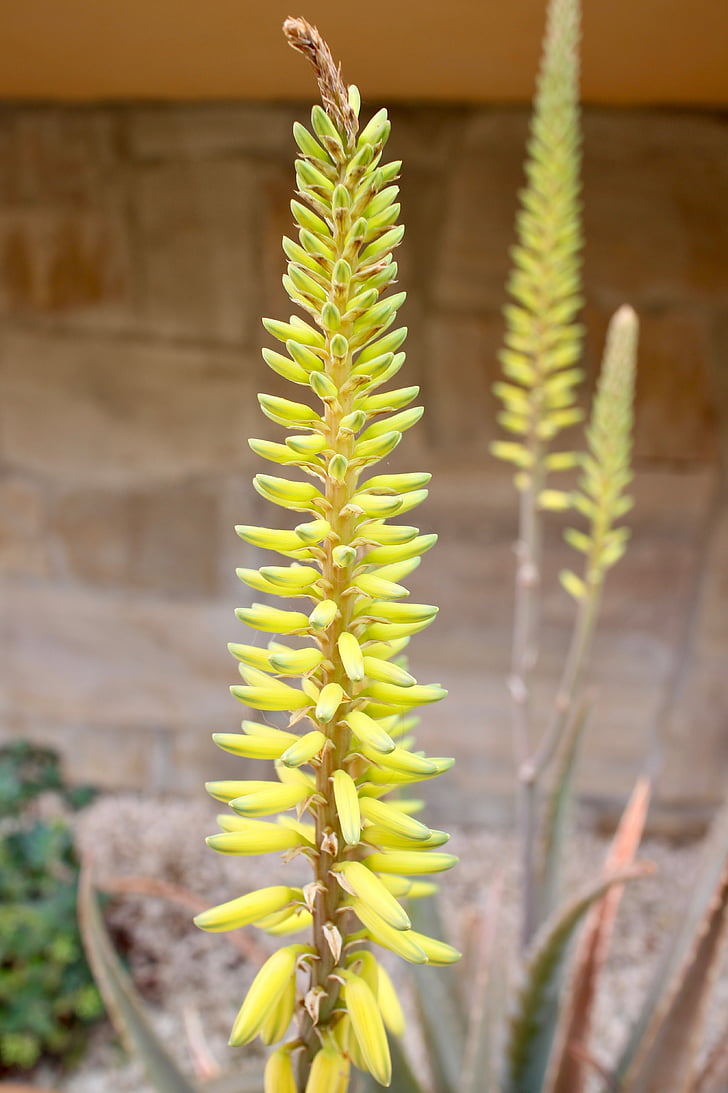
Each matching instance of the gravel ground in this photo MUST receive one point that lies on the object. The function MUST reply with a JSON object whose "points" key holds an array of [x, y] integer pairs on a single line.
{"points": [[194, 982]]}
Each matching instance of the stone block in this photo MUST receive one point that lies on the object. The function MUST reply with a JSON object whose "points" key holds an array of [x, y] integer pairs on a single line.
{"points": [[653, 186], [107, 756], [695, 760], [425, 138], [52, 154], [653, 214], [165, 540], [117, 660], [460, 367], [676, 417], [24, 546], [106, 411], [212, 130], [66, 265], [64, 247], [478, 208], [198, 263]]}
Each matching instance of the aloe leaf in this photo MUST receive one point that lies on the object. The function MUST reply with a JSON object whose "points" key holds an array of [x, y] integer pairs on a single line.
{"points": [[557, 814], [568, 1072], [440, 1006], [665, 1056], [123, 1004], [713, 1078], [532, 1023]]}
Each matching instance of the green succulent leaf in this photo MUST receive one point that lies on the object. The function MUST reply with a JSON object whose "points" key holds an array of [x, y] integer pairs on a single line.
{"points": [[533, 1020], [661, 1047], [121, 998]]}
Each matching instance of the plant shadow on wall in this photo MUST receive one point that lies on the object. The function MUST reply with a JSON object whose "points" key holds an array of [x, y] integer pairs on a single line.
{"points": [[337, 701]]}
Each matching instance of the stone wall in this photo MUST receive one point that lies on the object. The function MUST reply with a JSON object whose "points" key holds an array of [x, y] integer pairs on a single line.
{"points": [[138, 248]]}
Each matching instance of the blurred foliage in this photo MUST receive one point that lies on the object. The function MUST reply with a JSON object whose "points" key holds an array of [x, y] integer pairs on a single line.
{"points": [[47, 994]]}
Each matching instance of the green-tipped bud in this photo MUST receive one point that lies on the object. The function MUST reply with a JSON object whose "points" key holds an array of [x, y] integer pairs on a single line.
{"points": [[311, 178], [323, 386], [385, 672], [278, 1076], [290, 579], [307, 359], [295, 661], [323, 614], [438, 952], [331, 697], [343, 556], [375, 129], [368, 1027], [323, 125], [351, 657], [268, 799], [391, 818], [312, 531], [340, 199], [308, 144], [284, 367], [300, 333], [261, 616], [339, 346], [411, 862], [307, 444], [285, 412], [250, 747], [353, 422], [369, 732], [341, 274], [359, 881], [347, 805], [377, 447], [400, 942], [338, 466], [330, 316], [304, 749], [246, 909], [267, 988], [255, 837]]}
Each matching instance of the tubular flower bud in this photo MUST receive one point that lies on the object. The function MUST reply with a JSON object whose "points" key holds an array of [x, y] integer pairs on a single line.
{"points": [[245, 909], [266, 991], [340, 594]]}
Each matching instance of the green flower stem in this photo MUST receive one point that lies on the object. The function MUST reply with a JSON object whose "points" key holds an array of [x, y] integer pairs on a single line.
{"points": [[532, 770], [336, 579], [526, 608], [524, 654]]}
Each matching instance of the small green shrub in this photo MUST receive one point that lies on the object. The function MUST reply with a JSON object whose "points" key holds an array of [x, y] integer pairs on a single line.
{"points": [[47, 994]]}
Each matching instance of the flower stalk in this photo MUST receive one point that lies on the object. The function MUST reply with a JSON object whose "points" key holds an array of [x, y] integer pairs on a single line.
{"points": [[347, 694]]}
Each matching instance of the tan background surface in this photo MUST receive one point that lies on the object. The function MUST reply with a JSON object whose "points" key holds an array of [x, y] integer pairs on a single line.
{"points": [[140, 243], [651, 51]]}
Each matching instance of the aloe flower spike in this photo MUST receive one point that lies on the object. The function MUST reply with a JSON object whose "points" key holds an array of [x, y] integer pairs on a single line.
{"points": [[345, 693]]}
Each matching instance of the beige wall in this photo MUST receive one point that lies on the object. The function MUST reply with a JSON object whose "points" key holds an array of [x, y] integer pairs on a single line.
{"points": [[653, 51], [138, 248]]}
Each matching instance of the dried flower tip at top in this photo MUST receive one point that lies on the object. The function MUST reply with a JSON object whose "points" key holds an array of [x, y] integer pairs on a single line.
{"points": [[305, 38]]}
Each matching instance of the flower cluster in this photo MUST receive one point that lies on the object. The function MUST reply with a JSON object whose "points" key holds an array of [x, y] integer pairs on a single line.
{"points": [[345, 760]]}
